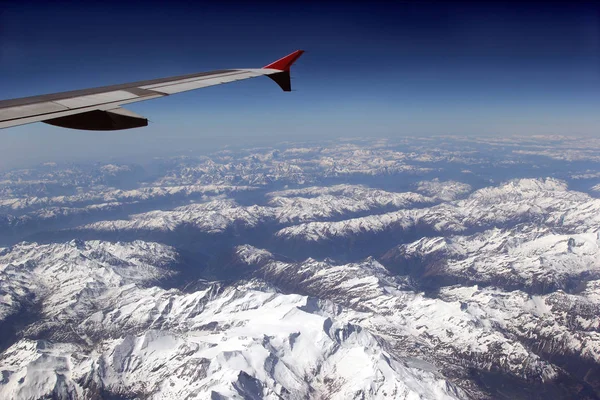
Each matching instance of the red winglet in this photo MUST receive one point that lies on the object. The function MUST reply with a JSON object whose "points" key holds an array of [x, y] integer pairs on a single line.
{"points": [[286, 62]]}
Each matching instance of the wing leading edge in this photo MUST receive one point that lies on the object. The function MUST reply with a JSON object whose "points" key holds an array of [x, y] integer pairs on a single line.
{"points": [[99, 108]]}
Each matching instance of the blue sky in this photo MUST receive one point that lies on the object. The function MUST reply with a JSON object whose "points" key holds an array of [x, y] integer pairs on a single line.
{"points": [[378, 69]]}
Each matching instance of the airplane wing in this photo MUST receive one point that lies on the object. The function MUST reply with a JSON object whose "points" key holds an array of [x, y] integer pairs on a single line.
{"points": [[99, 109]]}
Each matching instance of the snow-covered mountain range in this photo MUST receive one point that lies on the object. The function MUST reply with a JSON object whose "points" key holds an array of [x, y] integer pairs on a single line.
{"points": [[454, 268]]}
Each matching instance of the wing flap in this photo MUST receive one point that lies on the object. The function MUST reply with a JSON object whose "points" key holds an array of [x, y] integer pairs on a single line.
{"points": [[192, 84], [193, 79], [30, 109], [96, 99]]}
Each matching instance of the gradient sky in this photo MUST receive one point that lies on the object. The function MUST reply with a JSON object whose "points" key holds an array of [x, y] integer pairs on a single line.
{"points": [[406, 68]]}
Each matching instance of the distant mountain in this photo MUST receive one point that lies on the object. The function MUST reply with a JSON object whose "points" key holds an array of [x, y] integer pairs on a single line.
{"points": [[545, 201]]}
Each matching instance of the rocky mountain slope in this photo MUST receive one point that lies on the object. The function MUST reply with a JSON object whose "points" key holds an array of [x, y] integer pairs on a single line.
{"points": [[107, 333], [416, 268]]}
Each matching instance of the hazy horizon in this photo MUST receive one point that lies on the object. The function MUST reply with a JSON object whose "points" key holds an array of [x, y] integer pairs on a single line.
{"points": [[143, 155], [381, 70]]}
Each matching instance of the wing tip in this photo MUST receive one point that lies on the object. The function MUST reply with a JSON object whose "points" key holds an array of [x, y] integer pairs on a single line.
{"points": [[285, 63]]}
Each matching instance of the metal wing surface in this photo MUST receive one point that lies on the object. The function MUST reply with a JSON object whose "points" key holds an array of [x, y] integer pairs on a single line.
{"points": [[100, 108]]}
